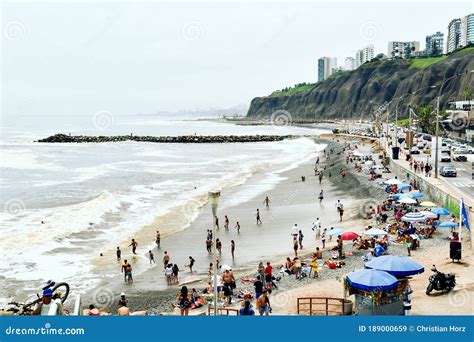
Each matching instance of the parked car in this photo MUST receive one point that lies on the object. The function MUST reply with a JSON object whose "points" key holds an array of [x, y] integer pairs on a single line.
{"points": [[461, 150], [427, 137], [445, 157], [448, 171], [445, 149], [414, 150], [459, 157]]}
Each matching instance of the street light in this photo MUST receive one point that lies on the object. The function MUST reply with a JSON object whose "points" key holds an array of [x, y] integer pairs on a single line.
{"points": [[398, 103], [214, 200], [437, 115]]}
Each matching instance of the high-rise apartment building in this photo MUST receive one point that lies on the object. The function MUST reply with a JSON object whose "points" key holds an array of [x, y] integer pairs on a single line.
{"points": [[467, 30], [326, 67], [434, 44], [454, 35], [349, 63], [402, 49]]}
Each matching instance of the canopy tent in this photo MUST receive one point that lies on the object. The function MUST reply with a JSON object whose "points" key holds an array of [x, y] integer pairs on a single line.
{"points": [[371, 280], [440, 211], [399, 266], [414, 217], [375, 232]]}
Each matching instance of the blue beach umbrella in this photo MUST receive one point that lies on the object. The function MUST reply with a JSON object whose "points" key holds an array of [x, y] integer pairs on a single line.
{"points": [[416, 195], [440, 211], [404, 186], [370, 280], [398, 266], [397, 196], [447, 224], [335, 231]]}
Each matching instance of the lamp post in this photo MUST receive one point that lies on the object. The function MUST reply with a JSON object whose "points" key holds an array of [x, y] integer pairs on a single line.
{"points": [[396, 109], [437, 115], [214, 200]]}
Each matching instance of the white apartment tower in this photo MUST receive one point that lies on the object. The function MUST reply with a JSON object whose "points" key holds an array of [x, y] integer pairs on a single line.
{"points": [[402, 49]]}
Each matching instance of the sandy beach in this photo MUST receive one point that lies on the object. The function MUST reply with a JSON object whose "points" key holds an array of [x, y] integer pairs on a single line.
{"points": [[292, 201]]}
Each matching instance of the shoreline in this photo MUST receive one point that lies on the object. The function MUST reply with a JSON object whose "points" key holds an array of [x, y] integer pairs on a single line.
{"points": [[146, 292]]}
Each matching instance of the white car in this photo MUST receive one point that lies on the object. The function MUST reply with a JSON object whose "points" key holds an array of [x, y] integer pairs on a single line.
{"points": [[445, 157]]}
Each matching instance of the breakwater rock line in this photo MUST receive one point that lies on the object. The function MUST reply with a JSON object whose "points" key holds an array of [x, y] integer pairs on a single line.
{"points": [[196, 139]]}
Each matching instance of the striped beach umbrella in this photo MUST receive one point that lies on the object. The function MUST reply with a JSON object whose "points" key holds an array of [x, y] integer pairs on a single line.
{"points": [[414, 217]]}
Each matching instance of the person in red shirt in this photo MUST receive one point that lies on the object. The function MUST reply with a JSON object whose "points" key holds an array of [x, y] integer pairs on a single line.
{"points": [[268, 277]]}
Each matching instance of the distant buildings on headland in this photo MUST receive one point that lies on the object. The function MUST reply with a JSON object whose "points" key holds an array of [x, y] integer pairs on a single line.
{"points": [[460, 34]]}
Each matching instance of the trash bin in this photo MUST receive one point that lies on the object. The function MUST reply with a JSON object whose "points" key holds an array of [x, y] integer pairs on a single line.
{"points": [[395, 152], [455, 250]]}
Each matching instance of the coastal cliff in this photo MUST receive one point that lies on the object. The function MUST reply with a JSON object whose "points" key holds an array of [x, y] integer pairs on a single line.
{"points": [[356, 94]]}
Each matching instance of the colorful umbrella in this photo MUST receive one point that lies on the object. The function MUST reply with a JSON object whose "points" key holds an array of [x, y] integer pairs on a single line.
{"points": [[335, 231], [407, 200], [370, 280], [447, 224], [414, 217], [429, 214], [416, 195], [349, 236], [427, 204], [398, 266], [440, 211], [393, 181], [375, 232]]}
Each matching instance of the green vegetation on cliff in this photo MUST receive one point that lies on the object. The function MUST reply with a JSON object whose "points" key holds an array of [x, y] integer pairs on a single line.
{"points": [[293, 90]]}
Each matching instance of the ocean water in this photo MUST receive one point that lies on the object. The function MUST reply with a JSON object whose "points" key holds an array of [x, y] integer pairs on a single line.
{"points": [[60, 203]]}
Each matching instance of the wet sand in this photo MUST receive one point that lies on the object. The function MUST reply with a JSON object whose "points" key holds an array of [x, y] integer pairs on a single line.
{"points": [[292, 201]]}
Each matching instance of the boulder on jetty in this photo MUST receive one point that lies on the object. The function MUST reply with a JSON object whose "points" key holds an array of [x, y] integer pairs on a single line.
{"points": [[196, 139]]}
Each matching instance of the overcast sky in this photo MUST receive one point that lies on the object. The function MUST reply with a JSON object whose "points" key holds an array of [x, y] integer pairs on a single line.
{"points": [[131, 57]]}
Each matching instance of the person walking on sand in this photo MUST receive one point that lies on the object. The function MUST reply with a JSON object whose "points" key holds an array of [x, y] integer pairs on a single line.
{"points": [[216, 222], [259, 221], [151, 257], [320, 176], [209, 246], [226, 222], [321, 196], [237, 226], [184, 301], [294, 231], [175, 269], [166, 259], [268, 276], [295, 246], [232, 248], [317, 228], [191, 264], [134, 245], [323, 238], [300, 239], [263, 304], [266, 201], [158, 239], [119, 254], [219, 246], [168, 273]]}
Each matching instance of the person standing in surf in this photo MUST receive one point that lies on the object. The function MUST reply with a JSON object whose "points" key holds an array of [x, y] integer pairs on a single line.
{"points": [[321, 196], [134, 245], [266, 201], [158, 239]]}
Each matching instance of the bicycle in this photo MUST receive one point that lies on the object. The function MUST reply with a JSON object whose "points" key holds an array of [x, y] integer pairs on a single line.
{"points": [[26, 308]]}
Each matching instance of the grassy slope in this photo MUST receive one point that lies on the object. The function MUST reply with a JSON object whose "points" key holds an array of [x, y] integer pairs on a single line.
{"points": [[293, 90]]}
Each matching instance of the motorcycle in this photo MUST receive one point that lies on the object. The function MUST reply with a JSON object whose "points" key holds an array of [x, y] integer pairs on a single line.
{"points": [[441, 281]]}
